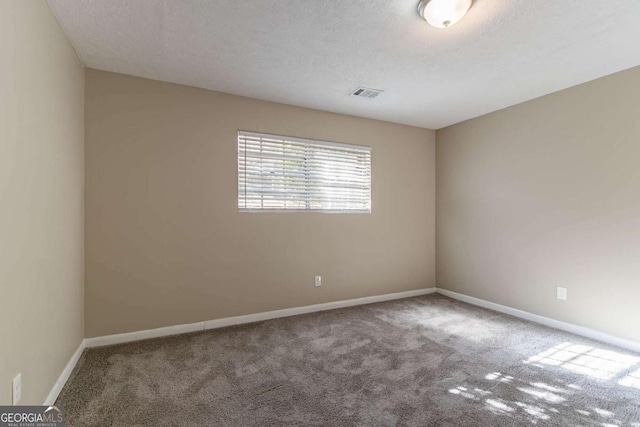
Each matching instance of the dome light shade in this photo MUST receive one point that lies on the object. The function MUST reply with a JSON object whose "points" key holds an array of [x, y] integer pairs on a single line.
{"points": [[443, 13]]}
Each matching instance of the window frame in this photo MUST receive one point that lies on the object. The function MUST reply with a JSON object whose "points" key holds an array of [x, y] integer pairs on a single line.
{"points": [[363, 148]]}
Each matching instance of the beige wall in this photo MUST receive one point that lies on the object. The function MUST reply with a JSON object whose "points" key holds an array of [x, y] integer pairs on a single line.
{"points": [[546, 194], [41, 200], [166, 245]]}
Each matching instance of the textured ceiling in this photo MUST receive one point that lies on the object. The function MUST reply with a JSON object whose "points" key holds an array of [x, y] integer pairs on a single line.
{"points": [[311, 53]]}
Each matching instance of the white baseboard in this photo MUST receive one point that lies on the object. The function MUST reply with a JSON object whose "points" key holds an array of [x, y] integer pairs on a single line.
{"points": [[64, 376], [249, 318], [287, 312], [564, 326]]}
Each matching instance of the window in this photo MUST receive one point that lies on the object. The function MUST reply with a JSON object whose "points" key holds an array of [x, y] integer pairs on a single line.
{"points": [[278, 173]]}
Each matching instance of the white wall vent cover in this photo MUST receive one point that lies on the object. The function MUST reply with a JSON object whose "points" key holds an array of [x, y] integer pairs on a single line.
{"points": [[365, 92]]}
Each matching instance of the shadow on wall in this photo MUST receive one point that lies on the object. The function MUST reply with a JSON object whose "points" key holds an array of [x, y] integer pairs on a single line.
{"points": [[497, 395]]}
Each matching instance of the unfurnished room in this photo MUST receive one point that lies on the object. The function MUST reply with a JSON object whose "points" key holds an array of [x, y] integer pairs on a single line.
{"points": [[319, 213]]}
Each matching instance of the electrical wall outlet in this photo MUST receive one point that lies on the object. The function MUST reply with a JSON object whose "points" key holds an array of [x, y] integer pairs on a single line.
{"points": [[562, 293], [17, 389], [318, 281]]}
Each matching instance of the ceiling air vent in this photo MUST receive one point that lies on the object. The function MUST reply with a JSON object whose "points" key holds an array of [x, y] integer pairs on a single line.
{"points": [[365, 92]]}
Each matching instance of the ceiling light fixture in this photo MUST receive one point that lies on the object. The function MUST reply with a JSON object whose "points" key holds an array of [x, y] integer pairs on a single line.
{"points": [[443, 13]]}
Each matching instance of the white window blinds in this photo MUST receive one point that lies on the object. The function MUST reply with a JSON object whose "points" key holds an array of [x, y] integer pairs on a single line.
{"points": [[278, 173]]}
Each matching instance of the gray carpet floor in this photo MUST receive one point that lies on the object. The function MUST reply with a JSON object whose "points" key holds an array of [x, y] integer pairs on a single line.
{"points": [[425, 361]]}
